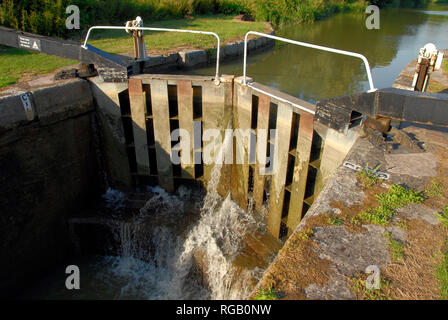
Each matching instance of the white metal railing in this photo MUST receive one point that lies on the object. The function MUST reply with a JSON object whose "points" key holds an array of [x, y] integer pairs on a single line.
{"points": [[309, 45], [160, 29]]}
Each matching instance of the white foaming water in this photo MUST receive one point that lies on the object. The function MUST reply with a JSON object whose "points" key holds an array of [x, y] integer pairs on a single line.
{"points": [[160, 259]]}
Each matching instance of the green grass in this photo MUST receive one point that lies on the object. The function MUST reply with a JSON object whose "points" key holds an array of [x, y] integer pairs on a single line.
{"points": [[266, 294], [16, 62], [402, 225], [47, 16], [283, 11], [396, 197], [368, 176], [359, 287], [442, 274], [117, 41], [434, 190], [434, 86], [443, 216], [442, 268], [305, 234], [396, 247], [335, 221]]}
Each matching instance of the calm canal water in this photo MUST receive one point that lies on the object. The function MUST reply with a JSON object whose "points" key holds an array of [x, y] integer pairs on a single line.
{"points": [[313, 75]]}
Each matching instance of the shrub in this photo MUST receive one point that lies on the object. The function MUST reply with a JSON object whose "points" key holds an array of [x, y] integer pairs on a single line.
{"points": [[47, 17]]}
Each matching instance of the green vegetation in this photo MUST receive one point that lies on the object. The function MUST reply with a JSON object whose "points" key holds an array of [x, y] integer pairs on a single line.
{"points": [[442, 268], [47, 17], [435, 86], [117, 41], [396, 197], [358, 286], [396, 247], [443, 216], [281, 11], [434, 190], [16, 63], [402, 225], [335, 221], [442, 274], [368, 176], [404, 3], [356, 221], [305, 234], [266, 294]]}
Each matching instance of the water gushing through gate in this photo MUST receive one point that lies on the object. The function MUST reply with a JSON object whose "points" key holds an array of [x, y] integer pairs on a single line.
{"points": [[160, 258]]}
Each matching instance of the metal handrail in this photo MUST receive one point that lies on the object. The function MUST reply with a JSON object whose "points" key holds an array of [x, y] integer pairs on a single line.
{"points": [[161, 29], [309, 45]]}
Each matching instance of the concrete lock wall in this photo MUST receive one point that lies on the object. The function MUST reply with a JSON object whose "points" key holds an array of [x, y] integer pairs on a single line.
{"points": [[154, 105], [48, 168], [54, 141]]}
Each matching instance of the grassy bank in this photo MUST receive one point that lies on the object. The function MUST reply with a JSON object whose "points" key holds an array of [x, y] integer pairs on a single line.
{"points": [[116, 41], [435, 86], [47, 17], [282, 11], [442, 268], [17, 64], [442, 273]]}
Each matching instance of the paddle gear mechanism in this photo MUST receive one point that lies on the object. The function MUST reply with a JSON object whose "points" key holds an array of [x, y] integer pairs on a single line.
{"points": [[429, 60], [139, 43]]}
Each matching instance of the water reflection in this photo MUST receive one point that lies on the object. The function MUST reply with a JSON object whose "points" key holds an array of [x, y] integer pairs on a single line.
{"points": [[313, 75]]}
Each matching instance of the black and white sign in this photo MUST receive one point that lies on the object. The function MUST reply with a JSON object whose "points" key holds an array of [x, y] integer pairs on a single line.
{"points": [[25, 98], [381, 175], [29, 43], [26, 102]]}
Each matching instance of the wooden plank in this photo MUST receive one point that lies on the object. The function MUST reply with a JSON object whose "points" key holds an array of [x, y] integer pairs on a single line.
{"points": [[185, 105], [262, 136], [283, 126], [162, 133], [213, 118], [242, 115], [225, 182], [138, 112], [304, 141]]}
